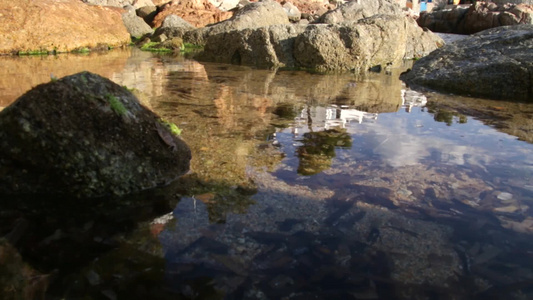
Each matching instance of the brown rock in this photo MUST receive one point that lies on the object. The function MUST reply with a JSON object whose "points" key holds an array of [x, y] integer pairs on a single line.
{"points": [[198, 13], [65, 25]]}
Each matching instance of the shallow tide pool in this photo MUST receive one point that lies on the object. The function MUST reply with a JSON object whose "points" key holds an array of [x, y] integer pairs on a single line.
{"points": [[302, 186]]}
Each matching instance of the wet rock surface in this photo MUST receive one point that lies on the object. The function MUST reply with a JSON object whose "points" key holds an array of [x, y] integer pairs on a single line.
{"points": [[495, 63], [75, 26], [84, 135]]}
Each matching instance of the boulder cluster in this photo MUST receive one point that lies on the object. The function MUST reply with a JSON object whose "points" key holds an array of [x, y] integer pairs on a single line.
{"points": [[354, 36]]}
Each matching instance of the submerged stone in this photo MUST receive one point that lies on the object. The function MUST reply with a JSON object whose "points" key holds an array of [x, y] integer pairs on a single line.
{"points": [[86, 136]]}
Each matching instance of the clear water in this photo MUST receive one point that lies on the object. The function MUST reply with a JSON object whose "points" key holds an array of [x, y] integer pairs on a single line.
{"points": [[304, 186]]}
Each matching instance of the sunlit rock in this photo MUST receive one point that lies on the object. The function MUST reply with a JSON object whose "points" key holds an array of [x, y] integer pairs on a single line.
{"points": [[86, 136], [46, 25]]}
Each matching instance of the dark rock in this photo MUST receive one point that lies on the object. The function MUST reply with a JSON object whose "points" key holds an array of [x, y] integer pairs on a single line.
{"points": [[86, 136], [496, 63]]}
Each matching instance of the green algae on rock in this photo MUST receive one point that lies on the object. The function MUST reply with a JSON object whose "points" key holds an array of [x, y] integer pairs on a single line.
{"points": [[86, 136]]}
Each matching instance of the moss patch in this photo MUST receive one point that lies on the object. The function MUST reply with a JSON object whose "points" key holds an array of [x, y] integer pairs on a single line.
{"points": [[154, 47], [116, 105], [174, 129]]}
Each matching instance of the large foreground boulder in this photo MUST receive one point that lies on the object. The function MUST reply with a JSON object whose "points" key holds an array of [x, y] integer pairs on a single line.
{"points": [[48, 25], [495, 63], [86, 136], [380, 40]]}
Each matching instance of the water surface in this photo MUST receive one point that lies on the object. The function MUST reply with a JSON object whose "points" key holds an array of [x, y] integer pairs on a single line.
{"points": [[308, 186]]}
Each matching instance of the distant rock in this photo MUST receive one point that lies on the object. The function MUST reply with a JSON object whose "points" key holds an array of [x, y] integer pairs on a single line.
{"points": [[121, 3], [173, 26], [360, 9], [225, 5], [496, 63], [476, 17], [85, 136], [136, 26], [198, 13], [315, 8], [47, 25], [293, 12], [378, 41], [148, 13]]}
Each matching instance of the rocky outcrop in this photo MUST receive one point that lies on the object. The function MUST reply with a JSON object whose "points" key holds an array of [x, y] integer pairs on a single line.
{"points": [[476, 17], [360, 9], [496, 63], [85, 136], [136, 26], [198, 13], [47, 25], [381, 40]]}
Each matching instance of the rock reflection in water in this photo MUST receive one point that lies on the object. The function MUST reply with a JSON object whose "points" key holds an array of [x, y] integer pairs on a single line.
{"points": [[402, 207]]}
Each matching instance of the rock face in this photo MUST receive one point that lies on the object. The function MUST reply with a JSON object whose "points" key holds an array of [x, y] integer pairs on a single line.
{"points": [[477, 17], [85, 136], [198, 13], [47, 25], [380, 40], [360, 9], [495, 63], [264, 47]]}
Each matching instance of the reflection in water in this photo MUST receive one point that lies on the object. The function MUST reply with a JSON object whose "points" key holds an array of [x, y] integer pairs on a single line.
{"points": [[325, 186]]}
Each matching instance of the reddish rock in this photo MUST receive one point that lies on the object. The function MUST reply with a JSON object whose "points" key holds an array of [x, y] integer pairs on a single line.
{"points": [[198, 13], [61, 25]]}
